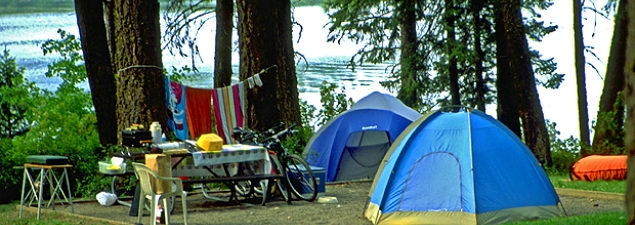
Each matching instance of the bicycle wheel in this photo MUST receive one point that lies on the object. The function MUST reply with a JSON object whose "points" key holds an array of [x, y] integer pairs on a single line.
{"points": [[300, 177], [245, 188], [276, 168]]}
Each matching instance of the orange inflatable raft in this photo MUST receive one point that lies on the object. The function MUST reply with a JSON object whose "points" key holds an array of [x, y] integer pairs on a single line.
{"points": [[599, 167]]}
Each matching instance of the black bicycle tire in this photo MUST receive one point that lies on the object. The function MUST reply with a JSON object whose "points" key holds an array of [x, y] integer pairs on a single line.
{"points": [[280, 183], [294, 178], [245, 188]]}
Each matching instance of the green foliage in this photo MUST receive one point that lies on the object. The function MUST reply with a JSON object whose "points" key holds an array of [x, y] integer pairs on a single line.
{"points": [[376, 25], [63, 122], [564, 153], [13, 103], [295, 144], [332, 103], [610, 129]]}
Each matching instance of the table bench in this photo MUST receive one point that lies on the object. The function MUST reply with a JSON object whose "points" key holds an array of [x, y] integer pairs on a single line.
{"points": [[230, 180]]}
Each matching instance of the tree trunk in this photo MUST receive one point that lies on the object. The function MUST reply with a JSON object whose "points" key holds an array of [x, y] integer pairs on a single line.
{"points": [[629, 89], [109, 21], [141, 87], [605, 137], [450, 18], [223, 49], [408, 57], [264, 30], [101, 79], [580, 63], [477, 6], [533, 122], [507, 103]]}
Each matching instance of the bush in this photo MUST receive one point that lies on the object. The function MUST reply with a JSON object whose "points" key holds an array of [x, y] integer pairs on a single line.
{"points": [[60, 123], [564, 153]]}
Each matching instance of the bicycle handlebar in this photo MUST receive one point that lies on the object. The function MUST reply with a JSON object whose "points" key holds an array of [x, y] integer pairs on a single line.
{"points": [[267, 139]]}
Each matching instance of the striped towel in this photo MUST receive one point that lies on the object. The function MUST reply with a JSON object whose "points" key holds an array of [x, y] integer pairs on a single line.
{"points": [[229, 110]]}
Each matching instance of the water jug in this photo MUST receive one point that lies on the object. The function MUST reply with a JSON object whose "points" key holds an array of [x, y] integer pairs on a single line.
{"points": [[155, 128]]}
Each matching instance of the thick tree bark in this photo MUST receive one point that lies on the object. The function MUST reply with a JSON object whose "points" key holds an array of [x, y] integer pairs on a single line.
{"points": [[507, 103], [453, 70], [264, 30], [223, 49], [141, 87], [109, 20], [605, 137], [408, 57], [101, 79], [580, 64], [534, 128], [629, 91], [477, 6]]}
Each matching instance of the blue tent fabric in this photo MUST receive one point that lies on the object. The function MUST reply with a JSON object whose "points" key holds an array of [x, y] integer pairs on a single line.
{"points": [[460, 168], [375, 112]]}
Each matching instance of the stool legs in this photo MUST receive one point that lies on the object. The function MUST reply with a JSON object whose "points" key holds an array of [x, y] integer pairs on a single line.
{"points": [[68, 188], [22, 193], [40, 192], [37, 186]]}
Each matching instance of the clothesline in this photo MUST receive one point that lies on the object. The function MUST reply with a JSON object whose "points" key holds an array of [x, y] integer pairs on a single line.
{"points": [[189, 108]]}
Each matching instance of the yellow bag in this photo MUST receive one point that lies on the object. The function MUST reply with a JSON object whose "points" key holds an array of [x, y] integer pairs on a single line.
{"points": [[162, 164], [210, 142]]}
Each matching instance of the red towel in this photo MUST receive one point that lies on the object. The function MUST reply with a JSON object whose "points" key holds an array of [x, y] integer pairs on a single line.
{"points": [[199, 110]]}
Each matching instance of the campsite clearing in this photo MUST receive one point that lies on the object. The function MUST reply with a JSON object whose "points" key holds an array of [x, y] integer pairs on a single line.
{"points": [[351, 197]]}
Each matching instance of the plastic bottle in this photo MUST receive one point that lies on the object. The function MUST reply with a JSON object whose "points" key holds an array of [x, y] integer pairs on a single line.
{"points": [[155, 128]]}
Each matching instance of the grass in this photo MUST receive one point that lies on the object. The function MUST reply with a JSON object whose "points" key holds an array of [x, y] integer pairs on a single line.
{"points": [[8, 215], [596, 218], [563, 181]]}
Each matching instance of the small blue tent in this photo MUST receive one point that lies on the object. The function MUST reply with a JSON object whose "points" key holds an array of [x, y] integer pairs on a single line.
{"points": [[461, 167], [351, 145]]}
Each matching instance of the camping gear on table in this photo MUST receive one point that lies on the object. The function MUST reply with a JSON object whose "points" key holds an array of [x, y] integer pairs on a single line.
{"points": [[210, 142], [460, 167], [351, 145], [135, 138], [599, 167], [47, 159], [157, 132]]}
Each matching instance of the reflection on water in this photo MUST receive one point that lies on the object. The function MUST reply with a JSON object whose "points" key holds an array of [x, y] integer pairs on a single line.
{"points": [[23, 34]]}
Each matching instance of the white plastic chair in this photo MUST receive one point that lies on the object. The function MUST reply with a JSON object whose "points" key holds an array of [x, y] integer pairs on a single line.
{"points": [[144, 174]]}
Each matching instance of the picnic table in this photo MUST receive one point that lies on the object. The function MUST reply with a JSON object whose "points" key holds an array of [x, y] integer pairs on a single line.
{"points": [[223, 166]]}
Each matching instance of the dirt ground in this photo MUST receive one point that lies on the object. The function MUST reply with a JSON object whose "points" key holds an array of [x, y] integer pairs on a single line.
{"points": [[351, 198]]}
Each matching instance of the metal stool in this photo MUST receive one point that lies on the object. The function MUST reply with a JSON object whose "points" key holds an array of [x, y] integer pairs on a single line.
{"points": [[46, 175]]}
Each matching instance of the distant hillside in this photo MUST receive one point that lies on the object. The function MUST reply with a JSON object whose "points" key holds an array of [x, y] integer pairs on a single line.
{"points": [[40, 6], [35, 6]]}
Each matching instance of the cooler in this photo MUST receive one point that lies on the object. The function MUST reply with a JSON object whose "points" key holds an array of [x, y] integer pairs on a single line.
{"points": [[320, 177]]}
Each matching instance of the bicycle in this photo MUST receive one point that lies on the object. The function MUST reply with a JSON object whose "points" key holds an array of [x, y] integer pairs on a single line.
{"points": [[299, 177]]}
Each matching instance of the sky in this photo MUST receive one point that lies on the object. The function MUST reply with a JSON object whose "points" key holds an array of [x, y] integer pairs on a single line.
{"points": [[560, 105]]}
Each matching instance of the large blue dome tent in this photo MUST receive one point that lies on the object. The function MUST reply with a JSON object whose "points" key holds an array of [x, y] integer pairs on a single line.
{"points": [[351, 145], [460, 167]]}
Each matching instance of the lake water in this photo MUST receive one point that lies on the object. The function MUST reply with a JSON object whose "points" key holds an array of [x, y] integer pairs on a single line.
{"points": [[23, 35]]}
